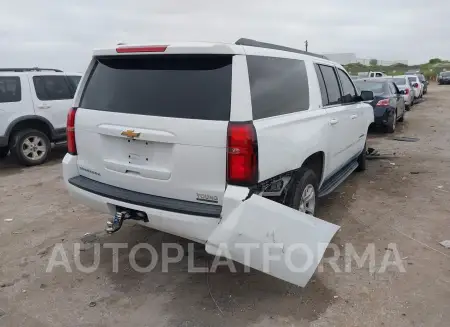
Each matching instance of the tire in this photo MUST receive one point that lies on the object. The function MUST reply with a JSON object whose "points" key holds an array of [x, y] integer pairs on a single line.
{"points": [[402, 118], [408, 107], [391, 124], [4, 152], [304, 179], [30, 147], [362, 159]]}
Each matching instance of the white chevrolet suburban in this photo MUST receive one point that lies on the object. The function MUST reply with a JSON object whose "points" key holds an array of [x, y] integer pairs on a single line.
{"points": [[224, 144], [34, 103]]}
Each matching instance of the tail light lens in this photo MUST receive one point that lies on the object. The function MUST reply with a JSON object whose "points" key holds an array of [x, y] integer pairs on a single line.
{"points": [[383, 103], [242, 154], [71, 145], [406, 91]]}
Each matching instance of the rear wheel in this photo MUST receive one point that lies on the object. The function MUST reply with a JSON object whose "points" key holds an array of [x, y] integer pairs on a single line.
{"points": [[402, 118], [303, 194], [30, 147], [4, 151]]}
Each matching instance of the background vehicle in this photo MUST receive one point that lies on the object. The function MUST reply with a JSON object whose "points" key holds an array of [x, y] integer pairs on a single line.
{"points": [[417, 86], [388, 103], [424, 83], [286, 125], [377, 74], [34, 103], [444, 78], [405, 85]]}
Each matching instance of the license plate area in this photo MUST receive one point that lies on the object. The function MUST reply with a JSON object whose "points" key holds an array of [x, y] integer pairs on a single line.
{"points": [[139, 152]]}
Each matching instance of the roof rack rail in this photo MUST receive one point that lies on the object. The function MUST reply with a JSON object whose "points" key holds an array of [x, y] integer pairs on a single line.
{"points": [[33, 69], [258, 44]]}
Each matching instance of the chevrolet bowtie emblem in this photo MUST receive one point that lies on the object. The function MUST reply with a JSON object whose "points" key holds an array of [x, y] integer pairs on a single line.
{"points": [[130, 134]]}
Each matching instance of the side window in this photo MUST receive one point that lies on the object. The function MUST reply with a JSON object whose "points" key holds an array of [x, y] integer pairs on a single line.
{"points": [[392, 88], [348, 90], [323, 88], [379, 75], [52, 88], [395, 88], [74, 80], [371, 75], [278, 86], [332, 85], [10, 89]]}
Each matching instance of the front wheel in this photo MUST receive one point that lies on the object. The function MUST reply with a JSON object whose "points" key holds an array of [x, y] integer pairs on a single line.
{"points": [[30, 147], [392, 123], [4, 151], [303, 194], [362, 159]]}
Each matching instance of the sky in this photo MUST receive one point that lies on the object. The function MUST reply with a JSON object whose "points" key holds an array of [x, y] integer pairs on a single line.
{"points": [[61, 33]]}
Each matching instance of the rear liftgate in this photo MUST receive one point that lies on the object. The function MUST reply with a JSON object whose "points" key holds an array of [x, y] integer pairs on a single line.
{"points": [[270, 237]]}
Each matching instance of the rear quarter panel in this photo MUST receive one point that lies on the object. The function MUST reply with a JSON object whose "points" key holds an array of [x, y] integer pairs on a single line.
{"points": [[284, 142]]}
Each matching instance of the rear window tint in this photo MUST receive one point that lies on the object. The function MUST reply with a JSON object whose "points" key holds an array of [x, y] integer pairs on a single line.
{"points": [[179, 86], [278, 86], [378, 88], [10, 90], [400, 81]]}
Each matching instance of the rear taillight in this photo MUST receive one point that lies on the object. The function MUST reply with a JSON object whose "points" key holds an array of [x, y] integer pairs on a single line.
{"points": [[147, 48], [242, 154], [383, 103], [406, 91], [71, 145]]}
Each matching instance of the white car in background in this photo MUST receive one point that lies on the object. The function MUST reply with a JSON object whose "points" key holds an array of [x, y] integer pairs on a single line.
{"points": [[417, 86], [407, 89]]}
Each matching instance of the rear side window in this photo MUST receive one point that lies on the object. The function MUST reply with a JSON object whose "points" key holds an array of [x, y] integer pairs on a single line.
{"points": [[178, 86], [10, 90], [50, 88], [278, 86], [74, 80], [348, 90], [323, 89], [331, 84]]}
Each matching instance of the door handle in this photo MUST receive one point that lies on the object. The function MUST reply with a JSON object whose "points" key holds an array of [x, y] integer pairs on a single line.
{"points": [[354, 116], [43, 106], [334, 121]]}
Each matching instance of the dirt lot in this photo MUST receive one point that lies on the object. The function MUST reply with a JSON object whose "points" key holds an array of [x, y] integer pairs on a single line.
{"points": [[403, 200]]}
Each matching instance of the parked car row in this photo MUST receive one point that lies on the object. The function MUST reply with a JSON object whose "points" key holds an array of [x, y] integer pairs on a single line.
{"points": [[393, 96]]}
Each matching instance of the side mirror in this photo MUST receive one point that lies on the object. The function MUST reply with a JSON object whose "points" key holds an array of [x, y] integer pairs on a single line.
{"points": [[366, 95], [416, 85]]}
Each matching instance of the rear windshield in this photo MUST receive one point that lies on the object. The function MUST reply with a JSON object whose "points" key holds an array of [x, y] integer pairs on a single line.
{"points": [[447, 74], [412, 79], [399, 81], [179, 86], [378, 88]]}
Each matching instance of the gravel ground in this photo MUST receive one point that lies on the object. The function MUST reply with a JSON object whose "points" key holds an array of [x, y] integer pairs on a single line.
{"points": [[400, 203]]}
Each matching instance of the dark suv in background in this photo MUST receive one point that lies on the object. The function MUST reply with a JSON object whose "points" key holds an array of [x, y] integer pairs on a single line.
{"points": [[444, 78]]}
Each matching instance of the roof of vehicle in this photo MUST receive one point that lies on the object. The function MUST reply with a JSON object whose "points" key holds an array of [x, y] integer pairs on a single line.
{"points": [[242, 46], [374, 79], [33, 69]]}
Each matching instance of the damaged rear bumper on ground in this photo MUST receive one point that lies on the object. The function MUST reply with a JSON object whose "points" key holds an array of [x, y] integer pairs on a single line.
{"points": [[270, 237]]}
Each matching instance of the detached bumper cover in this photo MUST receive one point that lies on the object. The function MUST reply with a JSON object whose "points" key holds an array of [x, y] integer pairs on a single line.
{"points": [[271, 237]]}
